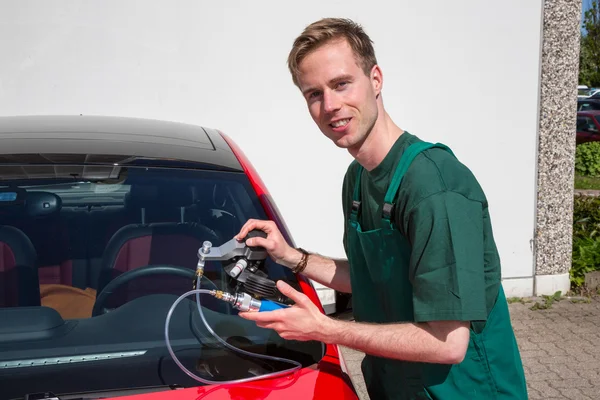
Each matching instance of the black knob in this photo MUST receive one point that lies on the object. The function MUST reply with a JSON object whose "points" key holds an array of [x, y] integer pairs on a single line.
{"points": [[255, 233]]}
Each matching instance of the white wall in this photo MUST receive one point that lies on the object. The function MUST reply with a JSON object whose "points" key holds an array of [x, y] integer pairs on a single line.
{"points": [[461, 72]]}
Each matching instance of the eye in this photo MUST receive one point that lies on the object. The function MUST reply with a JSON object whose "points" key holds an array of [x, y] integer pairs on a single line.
{"points": [[314, 95], [342, 85]]}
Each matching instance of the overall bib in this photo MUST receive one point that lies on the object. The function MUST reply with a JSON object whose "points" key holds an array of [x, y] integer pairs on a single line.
{"points": [[382, 293]]}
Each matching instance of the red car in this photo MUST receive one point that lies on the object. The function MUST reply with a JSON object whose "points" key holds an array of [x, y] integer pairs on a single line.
{"points": [[101, 221], [588, 126]]}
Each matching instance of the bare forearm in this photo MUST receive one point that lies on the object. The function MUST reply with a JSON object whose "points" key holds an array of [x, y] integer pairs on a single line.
{"points": [[417, 342], [333, 273]]}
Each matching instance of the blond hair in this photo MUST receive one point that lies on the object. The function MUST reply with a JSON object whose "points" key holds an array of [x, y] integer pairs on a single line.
{"points": [[329, 29]]}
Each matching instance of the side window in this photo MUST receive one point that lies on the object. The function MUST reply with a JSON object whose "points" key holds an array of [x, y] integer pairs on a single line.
{"points": [[584, 107], [586, 124]]}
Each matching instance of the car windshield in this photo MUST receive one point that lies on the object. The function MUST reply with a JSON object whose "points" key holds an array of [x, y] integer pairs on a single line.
{"points": [[583, 92], [72, 323]]}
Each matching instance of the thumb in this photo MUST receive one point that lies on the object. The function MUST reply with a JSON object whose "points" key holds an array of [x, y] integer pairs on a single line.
{"points": [[288, 291]]}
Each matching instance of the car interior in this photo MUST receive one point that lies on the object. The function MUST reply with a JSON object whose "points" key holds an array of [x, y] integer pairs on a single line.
{"points": [[64, 239]]}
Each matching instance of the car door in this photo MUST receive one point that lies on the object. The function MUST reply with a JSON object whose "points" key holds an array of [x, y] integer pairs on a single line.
{"points": [[588, 129]]}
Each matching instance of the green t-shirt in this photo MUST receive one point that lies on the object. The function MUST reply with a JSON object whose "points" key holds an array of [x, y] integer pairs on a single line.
{"points": [[443, 212]]}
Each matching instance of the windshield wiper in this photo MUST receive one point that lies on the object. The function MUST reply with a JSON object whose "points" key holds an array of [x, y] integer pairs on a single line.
{"points": [[99, 394], [40, 396]]}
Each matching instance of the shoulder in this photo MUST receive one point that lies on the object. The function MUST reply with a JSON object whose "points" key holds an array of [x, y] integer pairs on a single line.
{"points": [[434, 171], [437, 169]]}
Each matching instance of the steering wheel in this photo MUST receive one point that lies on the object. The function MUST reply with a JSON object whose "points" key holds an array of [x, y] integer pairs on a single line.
{"points": [[128, 276]]}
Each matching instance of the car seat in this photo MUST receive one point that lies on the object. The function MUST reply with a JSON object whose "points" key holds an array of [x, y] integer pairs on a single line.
{"points": [[171, 242], [19, 285]]}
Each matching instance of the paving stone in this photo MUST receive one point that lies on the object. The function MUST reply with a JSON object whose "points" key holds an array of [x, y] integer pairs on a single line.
{"points": [[545, 338], [585, 357], [571, 383], [555, 359], [527, 345], [552, 348], [533, 354], [536, 367], [574, 394], [542, 376], [564, 371], [591, 375], [544, 389], [534, 394], [592, 392]]}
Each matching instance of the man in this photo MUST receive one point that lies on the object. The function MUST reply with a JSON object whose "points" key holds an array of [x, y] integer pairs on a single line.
{"points": [[422, 266]]}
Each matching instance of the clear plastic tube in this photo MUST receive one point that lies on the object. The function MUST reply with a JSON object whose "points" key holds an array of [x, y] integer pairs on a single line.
{"points": [[197, 292]]}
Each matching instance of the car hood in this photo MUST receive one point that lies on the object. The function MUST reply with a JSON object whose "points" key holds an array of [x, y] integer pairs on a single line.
{"points": [[324, 380]]}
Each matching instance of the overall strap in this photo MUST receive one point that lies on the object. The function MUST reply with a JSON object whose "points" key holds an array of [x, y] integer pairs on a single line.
{"points": [[356, 195], [407, 158]]}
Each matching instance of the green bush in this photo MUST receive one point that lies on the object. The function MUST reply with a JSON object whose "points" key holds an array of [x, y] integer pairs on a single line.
{"points": [[586, 238], [587, 159], [586, 258]]}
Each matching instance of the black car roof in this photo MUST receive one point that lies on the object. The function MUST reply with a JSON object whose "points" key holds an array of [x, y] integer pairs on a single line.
{"points": [[105, 139]]}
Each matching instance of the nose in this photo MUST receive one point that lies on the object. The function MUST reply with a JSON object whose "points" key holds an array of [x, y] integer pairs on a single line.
{"points": [[331, 102]]}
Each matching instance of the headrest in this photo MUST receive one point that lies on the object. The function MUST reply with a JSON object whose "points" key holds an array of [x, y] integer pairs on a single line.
{"points": [[42, 204], [143, 196]]}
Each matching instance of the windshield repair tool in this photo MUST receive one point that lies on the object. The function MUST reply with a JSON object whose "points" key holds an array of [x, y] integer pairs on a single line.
{"points": [[245, 267], [242, 264]]}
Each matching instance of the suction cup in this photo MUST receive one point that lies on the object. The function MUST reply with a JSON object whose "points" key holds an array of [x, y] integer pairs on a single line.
{"points": [[261, 287]]}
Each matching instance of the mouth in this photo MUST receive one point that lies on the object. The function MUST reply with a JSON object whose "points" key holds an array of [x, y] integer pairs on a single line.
{"points": [[340, 124]]}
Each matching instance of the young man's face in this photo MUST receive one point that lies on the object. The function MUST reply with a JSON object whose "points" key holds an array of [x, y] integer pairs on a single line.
{"points": [[341, 99]]}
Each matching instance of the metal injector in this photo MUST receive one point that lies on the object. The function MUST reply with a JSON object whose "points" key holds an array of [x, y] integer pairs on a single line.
{"points": [[242, 255], [204, 250]]}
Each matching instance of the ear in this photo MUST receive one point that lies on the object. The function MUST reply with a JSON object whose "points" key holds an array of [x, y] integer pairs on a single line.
{"points": [[376, 79]]}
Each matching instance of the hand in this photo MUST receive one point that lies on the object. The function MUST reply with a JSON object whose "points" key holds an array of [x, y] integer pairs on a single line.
{"points": [[302, 321], [279, 250]]}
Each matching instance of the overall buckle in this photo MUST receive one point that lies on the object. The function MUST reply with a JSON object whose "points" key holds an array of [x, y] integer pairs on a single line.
{"points": [[388, 210]]}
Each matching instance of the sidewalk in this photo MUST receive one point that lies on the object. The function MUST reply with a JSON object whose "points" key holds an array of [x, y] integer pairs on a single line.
{"points": [[560, 347]]}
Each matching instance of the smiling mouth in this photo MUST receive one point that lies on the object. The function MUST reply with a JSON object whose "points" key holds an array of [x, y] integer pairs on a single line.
{"points": [[340, 123]]}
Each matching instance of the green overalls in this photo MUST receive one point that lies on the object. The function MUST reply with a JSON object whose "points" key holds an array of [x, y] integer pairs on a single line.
{"points": [[382, 293]]}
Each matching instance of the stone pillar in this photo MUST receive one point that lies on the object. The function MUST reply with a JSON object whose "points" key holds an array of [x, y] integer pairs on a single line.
{"points": [[556, 145]]}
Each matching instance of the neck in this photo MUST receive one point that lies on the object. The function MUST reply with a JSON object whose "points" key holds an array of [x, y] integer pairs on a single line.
{"points": [[371, 152]]}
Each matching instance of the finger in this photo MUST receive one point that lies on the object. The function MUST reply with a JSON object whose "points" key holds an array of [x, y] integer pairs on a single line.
{"points": [[288, 291], [265, 316], [269, 325], [263, 225], [248, 226], [251, 224], [260, 242]]}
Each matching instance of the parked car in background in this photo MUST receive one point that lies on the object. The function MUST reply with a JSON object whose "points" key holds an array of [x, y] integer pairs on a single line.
{"points": [[588, 104], [588, 126], [101, 220], [584, 92]]}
